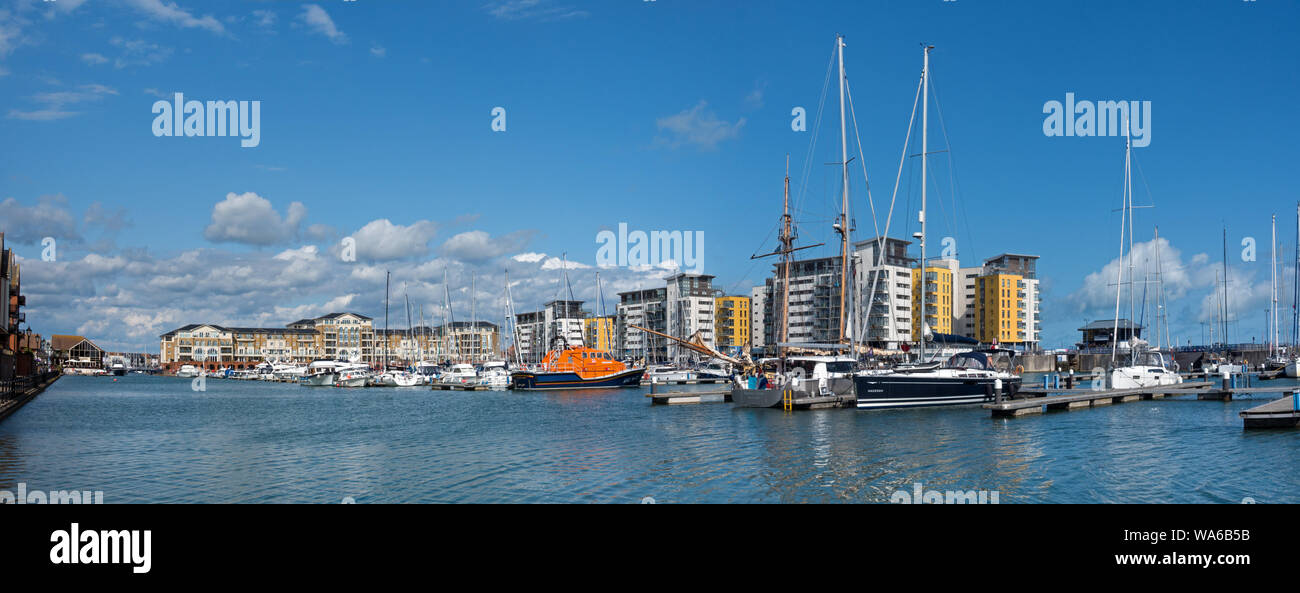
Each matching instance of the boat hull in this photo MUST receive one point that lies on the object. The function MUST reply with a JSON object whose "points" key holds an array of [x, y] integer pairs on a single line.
{"points": [[757, 398], [892, 391], [537, 380]]}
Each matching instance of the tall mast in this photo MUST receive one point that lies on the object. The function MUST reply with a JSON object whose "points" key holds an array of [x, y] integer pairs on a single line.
{"points": [[1272, 269], [787, 244], [1132, 292], [1224, 335], [843, 226], [1295, 285], [451, 318], [386, 275], [925, 127], [473, 317], [1119, 279]]}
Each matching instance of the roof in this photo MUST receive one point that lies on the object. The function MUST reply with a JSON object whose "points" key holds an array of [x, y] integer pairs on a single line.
{"points": [[336, 315], [1002, 255], [1109, 324], [64, 342]]}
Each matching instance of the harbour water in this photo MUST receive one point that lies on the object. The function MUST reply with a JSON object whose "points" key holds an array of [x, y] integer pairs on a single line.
{"points": [[153, 439]]}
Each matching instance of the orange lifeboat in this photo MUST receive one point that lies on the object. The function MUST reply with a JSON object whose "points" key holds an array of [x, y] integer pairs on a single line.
{"points": [[577, 367]]}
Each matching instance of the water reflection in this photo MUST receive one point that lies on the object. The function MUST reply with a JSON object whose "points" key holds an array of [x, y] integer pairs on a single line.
{"points": [[151, 439]]}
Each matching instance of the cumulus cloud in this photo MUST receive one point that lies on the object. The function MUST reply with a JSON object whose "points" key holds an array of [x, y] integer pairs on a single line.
{"points": [[27, 225], [251, 219], [319, 21], [698, 126], [382, 240], [478, 246]]}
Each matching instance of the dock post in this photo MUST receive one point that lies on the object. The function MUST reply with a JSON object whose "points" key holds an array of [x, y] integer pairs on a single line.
{"points": [[653, 381], [1069, 380], [997, 390]]}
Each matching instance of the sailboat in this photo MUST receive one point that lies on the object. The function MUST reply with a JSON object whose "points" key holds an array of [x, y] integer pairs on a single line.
{"points": [[1145, 368], [965, 378]]}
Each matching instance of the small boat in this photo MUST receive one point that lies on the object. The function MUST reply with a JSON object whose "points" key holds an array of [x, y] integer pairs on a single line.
{"points": [[577, 367], [494, 374], [395, 379], [460, 373], [668, 373], [188, 371], [356, 377], [805, 376]]}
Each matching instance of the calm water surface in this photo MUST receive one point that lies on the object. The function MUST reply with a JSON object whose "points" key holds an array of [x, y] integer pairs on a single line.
{"points": [[152, 439]]}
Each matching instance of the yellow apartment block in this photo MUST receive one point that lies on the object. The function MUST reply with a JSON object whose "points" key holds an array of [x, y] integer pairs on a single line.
{"points": [[938, 300], [999, 309], [731, 321]]}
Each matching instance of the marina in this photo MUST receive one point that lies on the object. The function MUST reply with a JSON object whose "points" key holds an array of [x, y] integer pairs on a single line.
{"points": [[152, 439]]}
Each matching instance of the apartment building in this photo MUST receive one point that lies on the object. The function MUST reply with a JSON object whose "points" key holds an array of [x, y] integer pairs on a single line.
{"points": [[732, 322]]}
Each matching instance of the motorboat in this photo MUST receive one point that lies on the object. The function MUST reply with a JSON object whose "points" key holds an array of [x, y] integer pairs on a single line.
{"points": [[577, 367], [494, 374], [460, 373], [802, 376]]}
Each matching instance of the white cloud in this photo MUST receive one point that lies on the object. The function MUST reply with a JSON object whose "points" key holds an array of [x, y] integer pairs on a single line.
{"points": [[319, 21], [382, 240], [697, 126], [138, 52], [378, 51], [94, 58], [169, 12], [530, 258], [478, 246], [29, 224], [264, 18], [53, 103], [250, 219], [539, 10]]}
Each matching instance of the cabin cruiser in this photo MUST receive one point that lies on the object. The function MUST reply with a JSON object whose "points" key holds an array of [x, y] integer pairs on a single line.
{"points": [[188, 371], [577, 367], [805, 376], [323, 373], [494, 374], [427, 371], [118, 369], [395, 378], [353, 376], [965, 378], [288, 372], [460, 373]]}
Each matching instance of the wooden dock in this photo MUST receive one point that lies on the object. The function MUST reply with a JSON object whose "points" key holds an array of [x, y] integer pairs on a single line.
{"points": [[672, 398], [458, 387], [1282, 413], [1038, 401]]}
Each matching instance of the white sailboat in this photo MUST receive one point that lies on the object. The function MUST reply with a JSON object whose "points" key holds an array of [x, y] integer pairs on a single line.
{"points": [[1145, 368]]}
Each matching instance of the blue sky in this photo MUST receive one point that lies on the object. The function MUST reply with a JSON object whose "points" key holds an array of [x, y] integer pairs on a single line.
{"points": [[665, 115]]}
